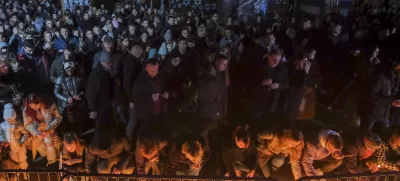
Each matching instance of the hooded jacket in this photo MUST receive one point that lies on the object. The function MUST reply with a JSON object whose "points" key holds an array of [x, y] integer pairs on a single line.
{"points": [[315, 149]]}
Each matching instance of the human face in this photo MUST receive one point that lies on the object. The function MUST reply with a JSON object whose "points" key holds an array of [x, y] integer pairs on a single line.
{"points": [[168, 36], [71, 147], [96, 30], [3, 68], [215, 17], [185, 33], [86, 16], [15, 31], [107, 47], [131, 30], [89, 34], [312, 55], [171, 21], [144, 37], [337, 30], [10, 121], [64, 33], [67, 54], [222, 64], [47, 37], [125, 42], [270, 40], [182, 46], [152, 70], [228, 33], [34, 106], [145, 23], [330, 148], [273, 60], [150, 31], [375, 53], [28, 50], [21, 25], [241, 143]]}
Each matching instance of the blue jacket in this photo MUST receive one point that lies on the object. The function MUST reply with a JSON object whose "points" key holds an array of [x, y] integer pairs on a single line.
{"points": [[61, 44]]}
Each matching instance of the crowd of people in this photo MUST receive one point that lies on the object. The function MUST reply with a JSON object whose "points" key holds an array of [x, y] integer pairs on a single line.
{"points": [[168, 92]]}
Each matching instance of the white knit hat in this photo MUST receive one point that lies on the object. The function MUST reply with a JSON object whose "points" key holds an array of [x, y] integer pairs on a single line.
{"points": [[9, 112]]}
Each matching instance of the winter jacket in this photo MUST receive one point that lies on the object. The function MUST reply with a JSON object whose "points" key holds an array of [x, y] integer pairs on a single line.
{"points": [[19, 136], [121, 151], [212, 98], [143, 88], [380, 92], [354, 145], [231, 155], [100, 90], [265, 98], [46, 119], [142, 163], [57, 68], [315, 148], [61, 43], [67, 87], [131, 69], [385, 155], [78, 154], [269, 143], [37, 74]]}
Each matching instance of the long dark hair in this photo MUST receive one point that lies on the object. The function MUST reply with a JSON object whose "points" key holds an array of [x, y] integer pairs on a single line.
{"points": [[36, 99]]}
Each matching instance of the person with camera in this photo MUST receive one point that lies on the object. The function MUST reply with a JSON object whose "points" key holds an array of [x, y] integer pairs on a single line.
{"points": [[69, 91]]}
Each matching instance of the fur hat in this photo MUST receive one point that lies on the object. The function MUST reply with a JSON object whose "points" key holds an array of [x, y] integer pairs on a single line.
{"points": [[9, 112]]}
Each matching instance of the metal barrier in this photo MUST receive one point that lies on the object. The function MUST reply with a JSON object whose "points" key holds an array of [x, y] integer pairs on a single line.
{"points": [[31, 175], [110, 177], [382, 176], [61, 175]]}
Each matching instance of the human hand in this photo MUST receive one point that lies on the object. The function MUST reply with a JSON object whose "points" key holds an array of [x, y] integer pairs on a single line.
{"points": [[274, 86], [6, 144], [76, 97], [131, 105], [93, 115], [68, 162], [396, 103], [155, 96], [251, 173], [165, 95], [372, 167], [70, 101], [307, 65], [238, 173], [266, 82], [337, 155], [116, 171], [175, 61]]}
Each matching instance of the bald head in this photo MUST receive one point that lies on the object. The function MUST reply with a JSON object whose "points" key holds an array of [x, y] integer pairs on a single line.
{"points": [[137, 51]]}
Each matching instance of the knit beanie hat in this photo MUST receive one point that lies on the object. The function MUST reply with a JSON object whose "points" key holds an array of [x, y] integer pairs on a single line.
{"points": [[162, 50], [372, 141], [9, 112]]}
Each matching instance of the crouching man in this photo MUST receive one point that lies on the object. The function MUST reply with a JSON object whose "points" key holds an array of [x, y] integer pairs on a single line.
{"points": [[323, 149], [14, 136], [360, 148], [109, 153]]}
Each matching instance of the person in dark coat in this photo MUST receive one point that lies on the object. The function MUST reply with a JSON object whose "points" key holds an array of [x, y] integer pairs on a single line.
{"points": [[148, 94], [100, 91], [185, 157], [238, 153], [36, 78], [360, 147], [271, 78], [304, 79], [381, 91], [109, 153]]}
